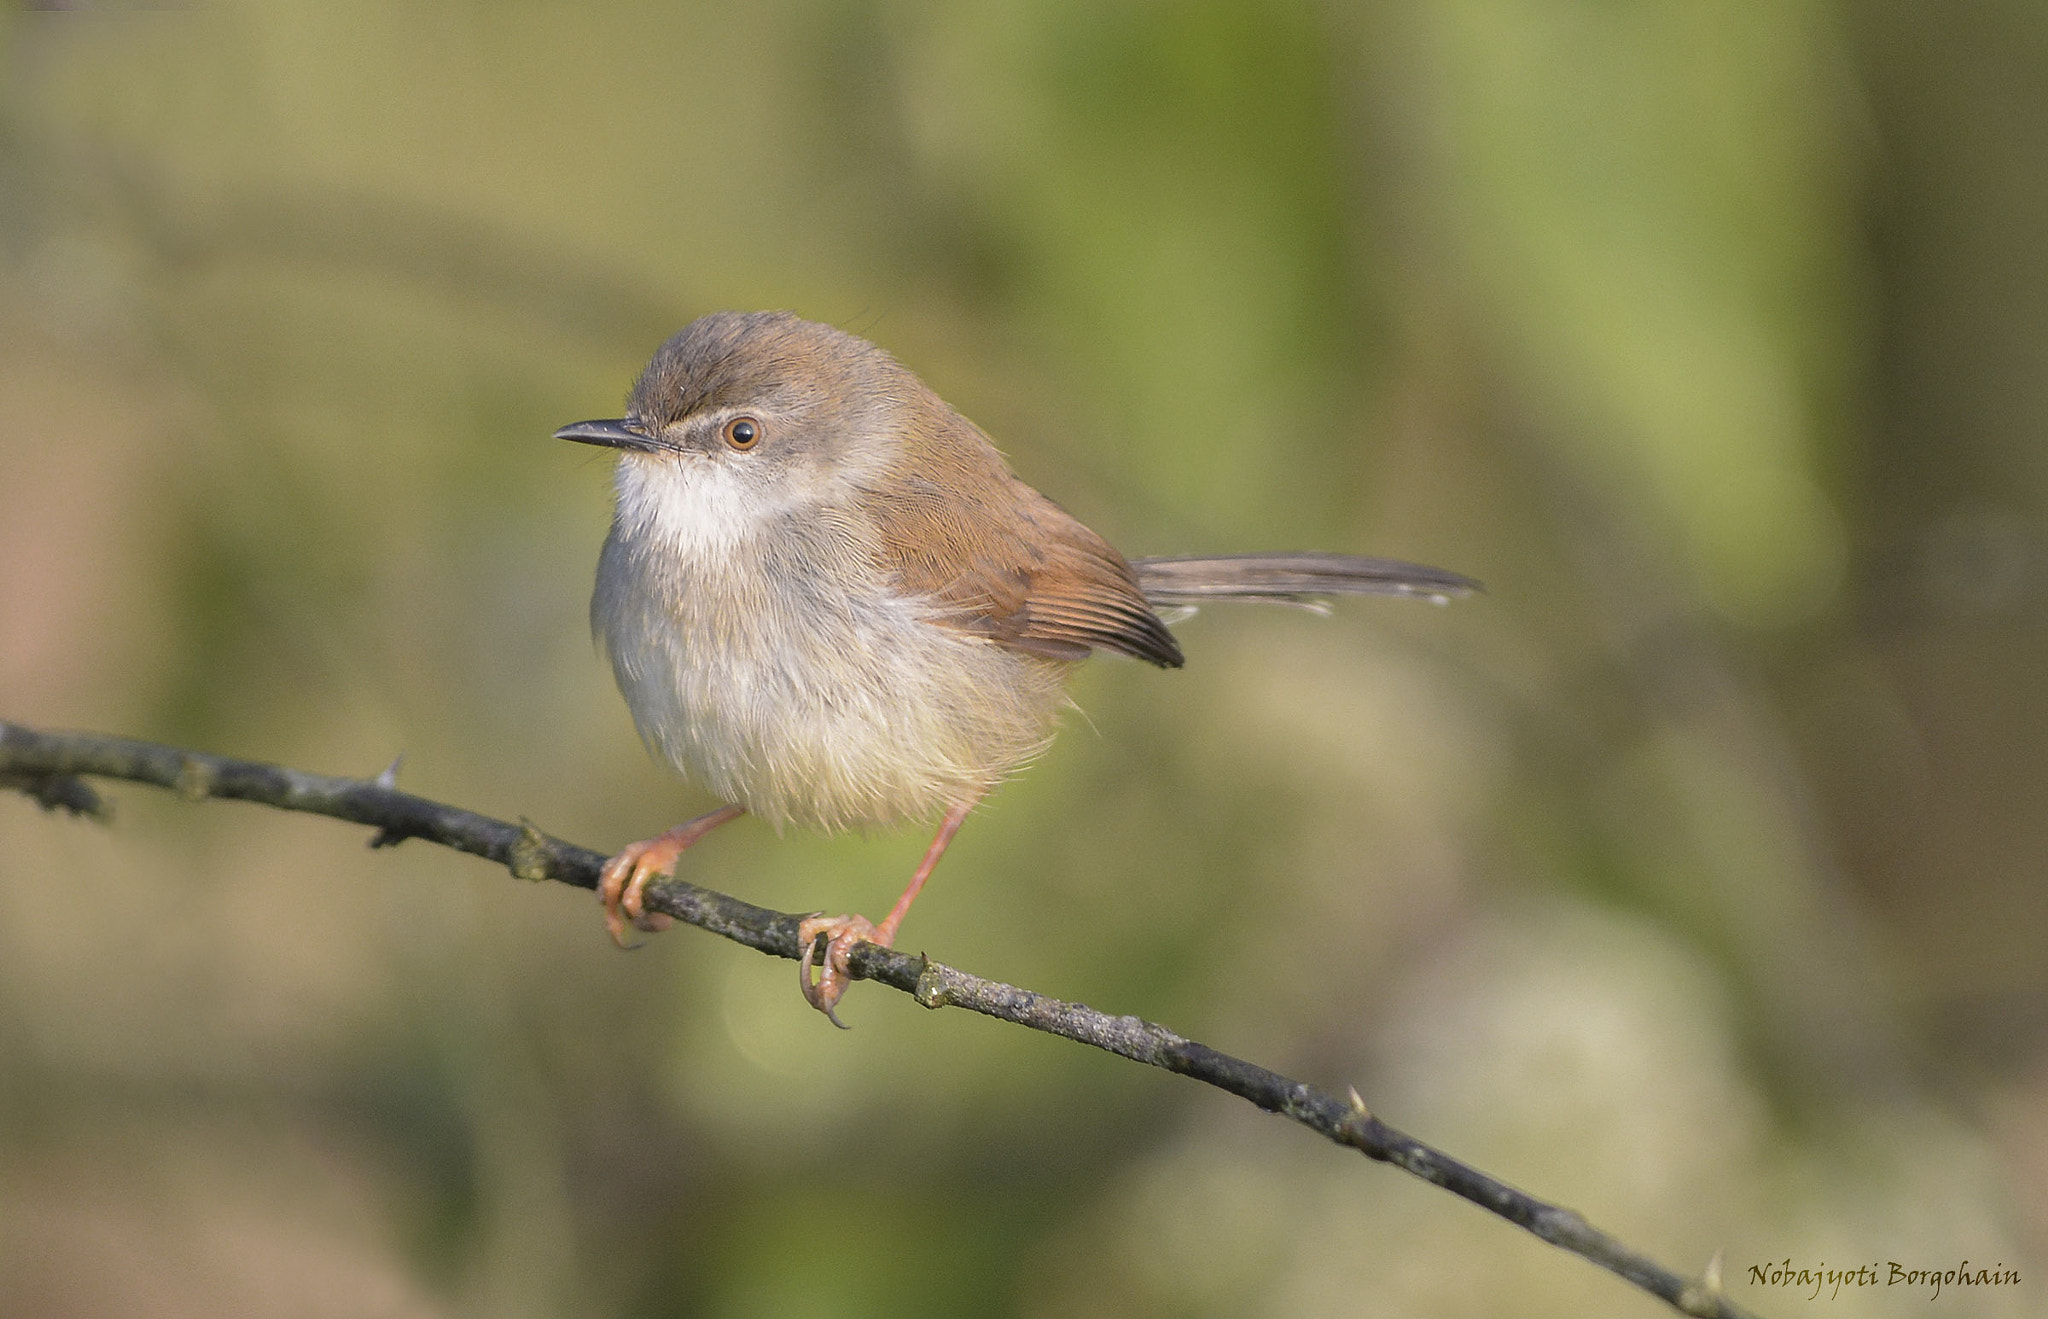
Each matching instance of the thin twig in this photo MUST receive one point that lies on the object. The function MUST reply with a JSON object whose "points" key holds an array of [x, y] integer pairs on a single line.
{"points": [[48, 767]]}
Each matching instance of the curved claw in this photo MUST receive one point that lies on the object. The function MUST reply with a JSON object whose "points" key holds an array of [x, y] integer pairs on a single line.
{"points": [[622, 884], [815, 992], [622, 888], [834, 972]]}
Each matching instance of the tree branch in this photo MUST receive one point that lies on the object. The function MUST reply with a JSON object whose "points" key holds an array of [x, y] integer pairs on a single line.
{"points": [[49, 766]]}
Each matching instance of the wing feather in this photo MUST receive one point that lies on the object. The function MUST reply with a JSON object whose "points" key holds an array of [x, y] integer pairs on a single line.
{"points": [[1001, 560]]}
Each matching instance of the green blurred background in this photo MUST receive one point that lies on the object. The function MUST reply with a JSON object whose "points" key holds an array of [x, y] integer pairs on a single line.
{"points": [[1691, 877]]}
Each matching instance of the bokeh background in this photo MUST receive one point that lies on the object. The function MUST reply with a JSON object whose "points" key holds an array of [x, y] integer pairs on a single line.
{"points": [[1692, 877]]}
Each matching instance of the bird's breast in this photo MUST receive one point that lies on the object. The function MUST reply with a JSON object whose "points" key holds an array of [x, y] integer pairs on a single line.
{"points": [[775, 661]]}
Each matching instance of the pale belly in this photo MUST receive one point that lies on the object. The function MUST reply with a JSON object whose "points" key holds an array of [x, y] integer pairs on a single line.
{"points": [[822, 707]]}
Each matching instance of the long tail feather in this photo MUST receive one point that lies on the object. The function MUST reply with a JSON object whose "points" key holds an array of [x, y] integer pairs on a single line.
{"points": [[1292, 578]]}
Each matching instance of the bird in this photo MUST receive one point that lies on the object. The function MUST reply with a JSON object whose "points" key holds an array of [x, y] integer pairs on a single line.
{"points": [[826, 597]]}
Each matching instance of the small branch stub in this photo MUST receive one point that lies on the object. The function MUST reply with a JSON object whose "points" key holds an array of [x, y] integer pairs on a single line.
{"points": [[60, 792], [931, 986], [195, 780], [531, 859]]}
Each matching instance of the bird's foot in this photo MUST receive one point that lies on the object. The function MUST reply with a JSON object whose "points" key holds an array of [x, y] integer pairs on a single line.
{"points": [[622, 884], [841, 934]]}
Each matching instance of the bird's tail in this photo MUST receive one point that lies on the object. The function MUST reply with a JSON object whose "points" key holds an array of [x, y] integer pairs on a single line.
{"points": [[1300, 578]]}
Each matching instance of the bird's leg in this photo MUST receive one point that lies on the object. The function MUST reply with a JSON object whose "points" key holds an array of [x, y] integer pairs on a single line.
{"points": [[843, 932], [622, 885]]}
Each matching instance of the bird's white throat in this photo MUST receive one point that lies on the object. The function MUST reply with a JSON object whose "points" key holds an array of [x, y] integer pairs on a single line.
{"points": [[691, 505]]}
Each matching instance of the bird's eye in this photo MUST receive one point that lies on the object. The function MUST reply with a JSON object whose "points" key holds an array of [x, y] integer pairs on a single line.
{"points": [[743, 432]]}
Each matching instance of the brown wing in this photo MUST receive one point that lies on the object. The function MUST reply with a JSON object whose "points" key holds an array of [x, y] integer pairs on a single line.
{"points": [[1012, 565]]}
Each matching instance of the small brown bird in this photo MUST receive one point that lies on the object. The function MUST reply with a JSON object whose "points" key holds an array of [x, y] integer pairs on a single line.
{"points": [[826, 596]]}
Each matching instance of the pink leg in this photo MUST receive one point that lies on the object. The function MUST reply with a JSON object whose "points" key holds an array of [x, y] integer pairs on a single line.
{"points": [[622, 886], [843, 932]]}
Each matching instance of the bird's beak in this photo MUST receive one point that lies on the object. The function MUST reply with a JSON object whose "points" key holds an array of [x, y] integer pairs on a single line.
{"points": [[618, 433]]}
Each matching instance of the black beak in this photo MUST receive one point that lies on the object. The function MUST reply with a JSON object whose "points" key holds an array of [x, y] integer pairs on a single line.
{"points": [[619, 433]]}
